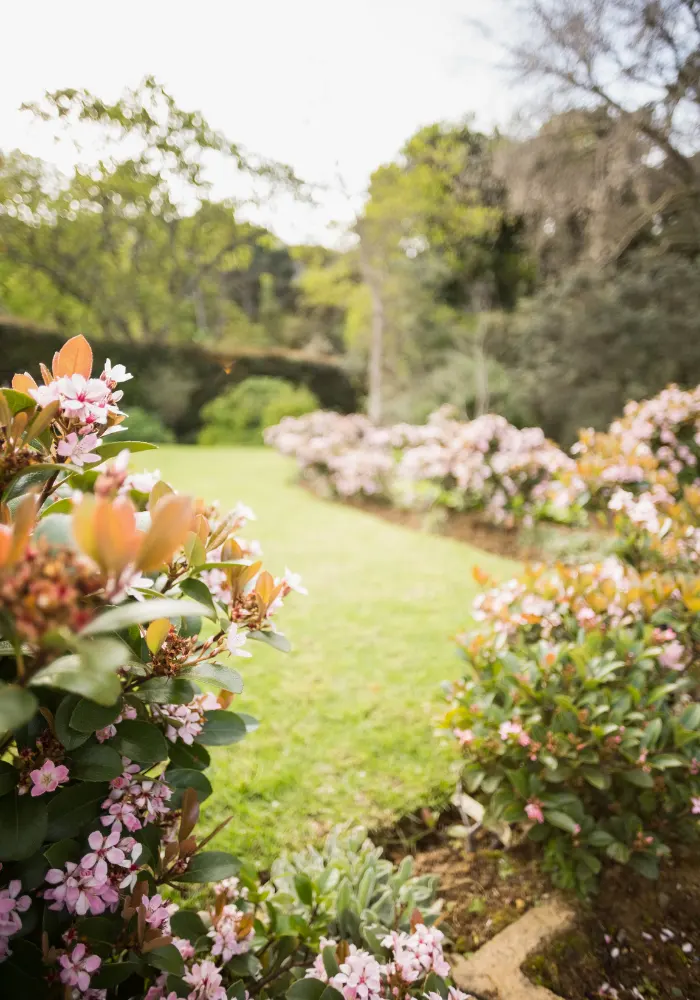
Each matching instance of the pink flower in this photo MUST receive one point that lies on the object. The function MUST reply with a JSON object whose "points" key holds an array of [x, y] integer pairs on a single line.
{"points": [[78, 449], [78, 967], [205, 978], [81, 890], [48, 777], [577, 830], [507, 729], [463, 735], [84, 399], [10, 908], [359, 977], [235, 640], [673, 656], [534, 812], [185, 947], [695, 803], [228, 938], [158, 912], [293, 582]]}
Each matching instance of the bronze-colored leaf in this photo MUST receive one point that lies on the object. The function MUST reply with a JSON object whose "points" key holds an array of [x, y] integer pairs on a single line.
{"points": [[171, 521], [74, 358], [25, 519], [189, 814], [156, 633], [23, 382]]}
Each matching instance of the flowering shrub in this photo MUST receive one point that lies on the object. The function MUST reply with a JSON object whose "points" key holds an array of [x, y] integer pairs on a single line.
{"points": [[118, 598], [580, 714], [486, 464]]}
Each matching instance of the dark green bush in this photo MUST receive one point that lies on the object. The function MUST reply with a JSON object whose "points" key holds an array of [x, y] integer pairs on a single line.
{"points": [[240, 414], [144, 426]]}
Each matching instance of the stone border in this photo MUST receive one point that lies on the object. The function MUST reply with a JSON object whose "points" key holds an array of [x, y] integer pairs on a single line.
{"points": [[494, 971]]}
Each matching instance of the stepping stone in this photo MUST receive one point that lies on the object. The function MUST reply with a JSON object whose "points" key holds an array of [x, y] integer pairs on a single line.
{"points": [[494, 971]]}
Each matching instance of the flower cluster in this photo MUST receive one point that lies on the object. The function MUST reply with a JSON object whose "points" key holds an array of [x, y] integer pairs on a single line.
{"points": [[103, 599]]}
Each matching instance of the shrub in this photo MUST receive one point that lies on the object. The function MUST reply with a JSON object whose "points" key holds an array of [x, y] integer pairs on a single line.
{"points": [[119, 598], [240, 414], [579, 715], [146, 426]]}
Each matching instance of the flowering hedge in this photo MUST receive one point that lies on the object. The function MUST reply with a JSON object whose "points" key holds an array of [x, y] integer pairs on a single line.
{"points": [[486, 465], [119, 598]]}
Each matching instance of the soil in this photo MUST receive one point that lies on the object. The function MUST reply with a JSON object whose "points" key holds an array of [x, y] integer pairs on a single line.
{"points": [[636, 935], [544, 542]]}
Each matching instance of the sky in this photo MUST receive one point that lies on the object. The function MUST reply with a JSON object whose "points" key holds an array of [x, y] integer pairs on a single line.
{"points": [[332, 87]]}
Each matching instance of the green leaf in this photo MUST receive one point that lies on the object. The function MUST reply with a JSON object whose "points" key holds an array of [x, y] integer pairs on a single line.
{"points": [[17, 706], [167, 959], [181, 779], [113, 974], [100, 930], [561, 820], [88, 716], [199, 592], [192, 756], [646, 864], [140, 741], [618, 852], [138, 612], [665, 760], [221, 728], [75, 808], [110, 449], [149, 837], [435, 984], [330, 993], [30, 478], [251, 724], [18, 401], [96, 763], [166, 691], [187, 924], [72, 673], [599, 779], [60, 852], [641, 779], [304, 888], [652, 733], [8, 777], [22, 973], [330, 962], [690, 719], [274, 639], [210, 866], [306, 989], [69, 737], [23, 822], [226, 677], [57, 529]]}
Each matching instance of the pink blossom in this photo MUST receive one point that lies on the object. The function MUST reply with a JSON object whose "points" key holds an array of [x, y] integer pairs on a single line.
{"points": [[77, 449], [48, 777], [359, 977], [463, 735], [228, 937], [81, 890], [158, 912], [185, 947], [84, 399], [695, 803], [11, 905], [534, 812], [507, 729], [205, 978], [293, 582], [78, 967], [673, 656]]}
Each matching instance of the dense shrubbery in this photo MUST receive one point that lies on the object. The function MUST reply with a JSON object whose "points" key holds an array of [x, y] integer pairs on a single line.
{"points": [[241, 414], [486, 465], [580, 711], [118, 599]]}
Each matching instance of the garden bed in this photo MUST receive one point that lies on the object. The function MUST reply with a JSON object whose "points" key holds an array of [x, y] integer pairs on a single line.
{"points": [[635, 934], [543, 541]]}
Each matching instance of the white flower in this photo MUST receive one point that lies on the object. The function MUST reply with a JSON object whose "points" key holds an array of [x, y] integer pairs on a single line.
{"points": [[244, 512], [78, 449], [293, 581], [142, 482], [235, 640], [118, 373]]}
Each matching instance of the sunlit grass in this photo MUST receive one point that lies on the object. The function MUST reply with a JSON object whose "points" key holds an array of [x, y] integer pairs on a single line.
{"points": [[347, 718]]}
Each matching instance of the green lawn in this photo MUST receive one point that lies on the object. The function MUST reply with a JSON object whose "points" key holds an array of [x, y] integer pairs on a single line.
{"points": [[347, 718]]}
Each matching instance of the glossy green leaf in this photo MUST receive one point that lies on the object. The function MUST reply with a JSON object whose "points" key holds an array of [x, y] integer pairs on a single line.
{"points": [[210, 866], [74, 808], [193, 756], [166, 691], [274, 639], [88, 716], [225, 677], [17, 706], [140, 741], [181, 779], [8, 777], [138, 612], [198, 591], [221, 728], [23, 823], [96, 763]]}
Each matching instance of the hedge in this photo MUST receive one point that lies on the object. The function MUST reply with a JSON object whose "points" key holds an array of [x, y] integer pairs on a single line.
{"points": [[176, 381]]}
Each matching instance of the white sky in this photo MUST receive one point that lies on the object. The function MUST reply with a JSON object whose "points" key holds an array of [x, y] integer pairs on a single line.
{"points": [[333, 87]]}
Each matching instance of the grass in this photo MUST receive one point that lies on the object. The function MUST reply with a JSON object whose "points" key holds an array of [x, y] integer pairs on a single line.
{"points": [[347, 719]]}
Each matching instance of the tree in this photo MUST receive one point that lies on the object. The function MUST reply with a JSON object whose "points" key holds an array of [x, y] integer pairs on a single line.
{"points": [[132, 247], [639, 62]]}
